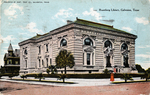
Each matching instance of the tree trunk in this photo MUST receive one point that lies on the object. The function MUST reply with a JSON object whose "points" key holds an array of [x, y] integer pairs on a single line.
{"points": [[63, 79], [146, 79], [65, 69], [125, 80]]}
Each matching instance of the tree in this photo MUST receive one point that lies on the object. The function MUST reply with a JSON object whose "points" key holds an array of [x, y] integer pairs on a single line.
{"points": [[10, 76], [65, 59], [0, 76], [62, 76], [48, 70], [139, 68], [146, 76], [106, 71], [148, 70], [2, 70], [126, 77], [40, 76], [53, 69], [23, 76]]}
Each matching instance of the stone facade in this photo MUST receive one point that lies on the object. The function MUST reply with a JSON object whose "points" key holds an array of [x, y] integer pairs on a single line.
{"points": [[95, 47]]}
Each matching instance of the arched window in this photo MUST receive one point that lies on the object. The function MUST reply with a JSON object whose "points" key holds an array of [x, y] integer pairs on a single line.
{"points": [[63, 42], [124, 46], [88, 41], [108, 44], [25, 52]]}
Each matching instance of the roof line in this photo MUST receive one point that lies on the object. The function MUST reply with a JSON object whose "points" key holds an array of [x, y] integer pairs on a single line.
{"points": [[95, 22]]}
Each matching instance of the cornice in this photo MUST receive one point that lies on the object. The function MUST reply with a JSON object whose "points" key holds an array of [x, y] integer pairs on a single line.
{"points": [[77, 26]]}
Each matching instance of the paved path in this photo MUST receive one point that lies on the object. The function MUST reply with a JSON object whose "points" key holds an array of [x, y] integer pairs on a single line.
{"points": [[78, 82]]}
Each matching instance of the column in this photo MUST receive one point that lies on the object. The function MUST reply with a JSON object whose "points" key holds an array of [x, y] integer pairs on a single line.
{"points": [[111, 60], [94, 58], [91, 61], [85, 60], [112, 63]]}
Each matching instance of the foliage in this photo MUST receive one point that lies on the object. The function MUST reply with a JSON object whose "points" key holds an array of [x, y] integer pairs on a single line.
{"points": [[40, 76], [126, 77], [23, 76], [139, 68], [53, 69], [93, 75], [106, 71], [146, 76], [148, 70], [2, 70], [65, 59], [48, 70], [0, 76], [10, 76]]}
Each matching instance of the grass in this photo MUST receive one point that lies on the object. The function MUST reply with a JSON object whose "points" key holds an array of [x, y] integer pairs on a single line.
{"points": [[37, 80], [130, 81]]}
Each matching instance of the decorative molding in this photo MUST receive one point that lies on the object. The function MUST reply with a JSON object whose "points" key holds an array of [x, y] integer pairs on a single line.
{"points": [[93, 37], [77, 39], [25, 57], [89, 49], [38, 57], [125, 52], [59, 37], [84, 35], [113, 40], [46, 56], [108, 51], [65, 36]]}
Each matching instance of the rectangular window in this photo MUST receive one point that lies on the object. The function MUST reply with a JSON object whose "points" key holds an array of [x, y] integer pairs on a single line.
{"points": [[47, 61], [10, 61], [16, 62], [50, 61], [26, 63], [10, 53], [39, 49], [88, 58], [7, 61], [39, 63], [46, 47]]}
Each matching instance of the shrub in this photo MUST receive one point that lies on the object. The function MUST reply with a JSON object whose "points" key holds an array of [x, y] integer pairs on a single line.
{"points": [[139, 68], [10, 76], [48, 70], [0, 76], [126, 77], [106, 71], [53, 69], [40, 76], [23, 76], [146, 76]]}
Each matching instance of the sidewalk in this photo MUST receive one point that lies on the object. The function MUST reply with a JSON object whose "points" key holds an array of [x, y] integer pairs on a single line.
{"points": [[77, 81]]}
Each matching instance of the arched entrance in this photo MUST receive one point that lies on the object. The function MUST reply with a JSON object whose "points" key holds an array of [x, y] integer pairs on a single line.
{"points": [[108, 52], [124, 49]]}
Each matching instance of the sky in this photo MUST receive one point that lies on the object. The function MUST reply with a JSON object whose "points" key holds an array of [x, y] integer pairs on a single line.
{"points": [[21, 20]]}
